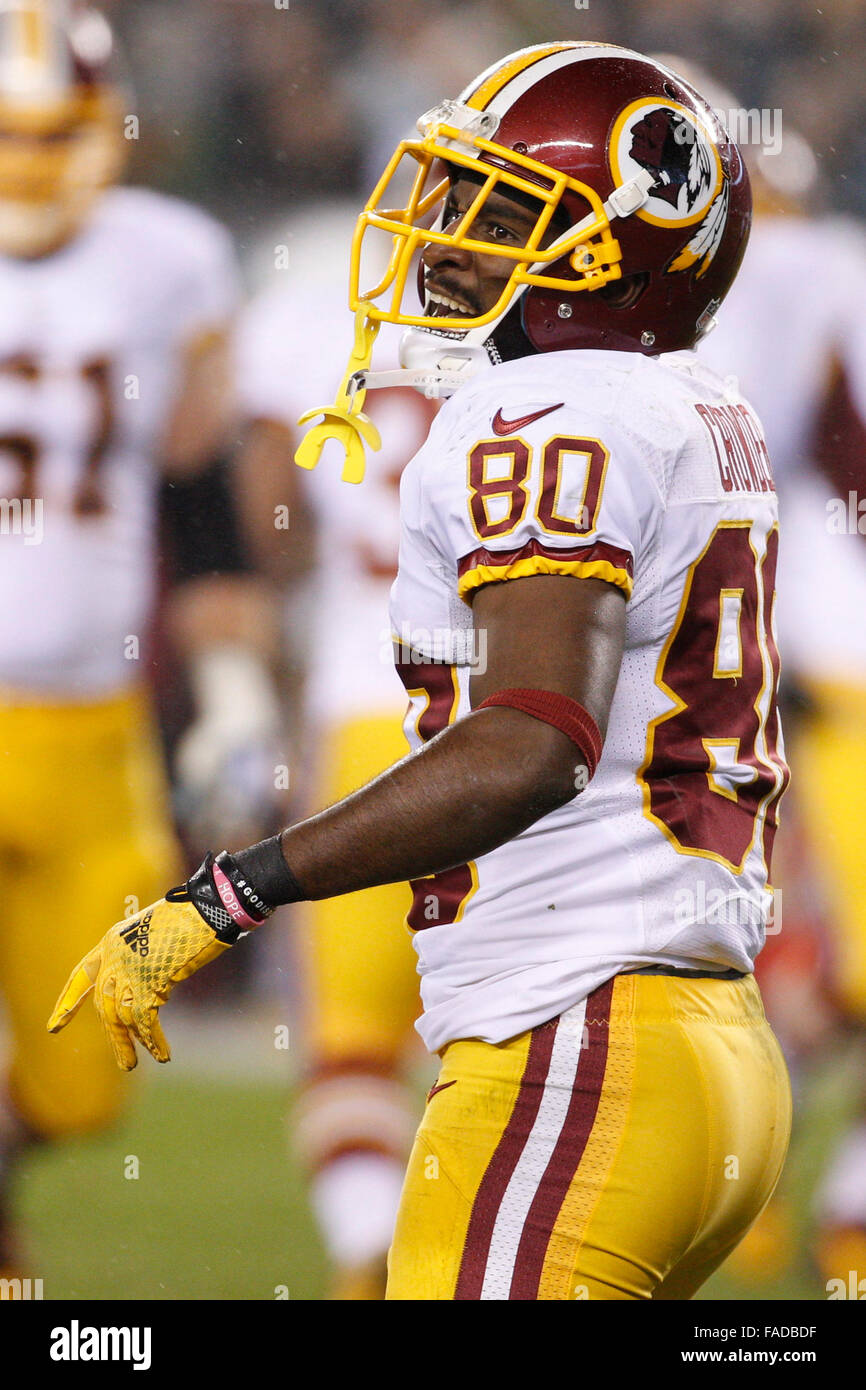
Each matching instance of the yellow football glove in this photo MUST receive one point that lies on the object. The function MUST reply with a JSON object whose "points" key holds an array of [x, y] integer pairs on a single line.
{"points": [[133, 969]]}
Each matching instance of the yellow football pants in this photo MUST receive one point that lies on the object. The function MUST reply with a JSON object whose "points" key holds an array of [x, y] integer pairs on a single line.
{"points": [[829, 761], [360, 984], [84, 834], [620, 1151], [361, 981]]}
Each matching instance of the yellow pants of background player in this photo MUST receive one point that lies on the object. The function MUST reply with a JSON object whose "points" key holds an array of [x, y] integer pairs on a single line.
{"points": [[829, 759], [360, 984], [361, 980], [84, 835], [618, 1152]]}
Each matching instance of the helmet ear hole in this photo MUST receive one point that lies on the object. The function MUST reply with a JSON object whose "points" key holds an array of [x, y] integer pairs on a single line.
{"points": [[624, 293]]}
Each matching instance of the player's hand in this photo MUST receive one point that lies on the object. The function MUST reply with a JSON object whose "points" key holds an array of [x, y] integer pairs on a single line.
{"points": [[224, 784], [225, 761], [133, 969]]}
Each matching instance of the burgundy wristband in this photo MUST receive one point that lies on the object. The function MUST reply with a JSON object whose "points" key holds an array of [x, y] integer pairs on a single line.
{"points": [[562, 713]]}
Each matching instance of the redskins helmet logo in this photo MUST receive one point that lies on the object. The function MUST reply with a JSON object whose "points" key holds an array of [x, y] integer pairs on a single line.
{"points": [[679, 148]]}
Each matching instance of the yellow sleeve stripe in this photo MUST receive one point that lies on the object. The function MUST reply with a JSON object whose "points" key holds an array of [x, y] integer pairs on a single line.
{"points": [[544, 564]]}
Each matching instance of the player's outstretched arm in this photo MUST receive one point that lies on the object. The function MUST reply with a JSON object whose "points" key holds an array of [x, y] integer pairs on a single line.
{"points": [[473, 787], [491, 775]]}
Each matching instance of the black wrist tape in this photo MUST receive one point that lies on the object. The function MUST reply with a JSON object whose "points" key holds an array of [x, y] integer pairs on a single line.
{"points": [[266, 869]]}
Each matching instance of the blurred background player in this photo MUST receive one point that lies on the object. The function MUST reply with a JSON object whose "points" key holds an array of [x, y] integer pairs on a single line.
{"points": [[114, 373], [354, 1122], [833, 741], [795, 341]]}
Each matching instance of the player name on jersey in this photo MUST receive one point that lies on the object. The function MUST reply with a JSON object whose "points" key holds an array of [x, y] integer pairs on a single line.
{"points": [[741, 453]]}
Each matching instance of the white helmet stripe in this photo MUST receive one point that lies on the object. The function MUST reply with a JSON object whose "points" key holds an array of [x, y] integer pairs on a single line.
{"points": [[478, 82]]}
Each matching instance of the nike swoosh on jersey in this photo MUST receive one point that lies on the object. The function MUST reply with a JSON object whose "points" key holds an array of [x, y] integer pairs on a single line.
{"points": [[501, 426]]}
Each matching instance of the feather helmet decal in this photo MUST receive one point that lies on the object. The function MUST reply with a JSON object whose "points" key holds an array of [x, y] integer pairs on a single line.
{"points": [[705, 242]]}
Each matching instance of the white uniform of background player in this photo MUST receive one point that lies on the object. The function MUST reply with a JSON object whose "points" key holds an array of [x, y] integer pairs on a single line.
{"points": [[114, 310], [93, 346]]}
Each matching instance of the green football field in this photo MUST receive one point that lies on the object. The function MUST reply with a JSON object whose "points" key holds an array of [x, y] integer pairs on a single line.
{"points": [[218, 1207]]}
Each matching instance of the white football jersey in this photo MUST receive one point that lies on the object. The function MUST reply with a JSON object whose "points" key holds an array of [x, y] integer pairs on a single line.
{"points": [[91, 344], [794, 314], [293, 346], [652, 475]]}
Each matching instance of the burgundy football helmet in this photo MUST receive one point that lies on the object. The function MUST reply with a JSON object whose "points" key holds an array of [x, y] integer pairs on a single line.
{"points": [[640, 211], [655, 195]]}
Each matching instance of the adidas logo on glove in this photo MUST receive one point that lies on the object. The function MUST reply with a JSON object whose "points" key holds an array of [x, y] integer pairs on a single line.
{"points": [[137, 935]]}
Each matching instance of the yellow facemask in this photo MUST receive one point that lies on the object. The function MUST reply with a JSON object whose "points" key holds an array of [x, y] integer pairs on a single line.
{"points": [[455, 137], [592, 251]]}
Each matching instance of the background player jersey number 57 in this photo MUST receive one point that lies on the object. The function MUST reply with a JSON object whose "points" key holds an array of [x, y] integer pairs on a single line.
{"points": [[89, 390]]}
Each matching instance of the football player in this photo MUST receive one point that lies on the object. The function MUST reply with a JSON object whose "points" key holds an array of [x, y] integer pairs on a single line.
{"points": [[354, 1123], [113, 373], [588, 822]]}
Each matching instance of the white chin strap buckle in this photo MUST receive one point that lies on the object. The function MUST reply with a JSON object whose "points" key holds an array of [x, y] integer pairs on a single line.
{"points": [[628, 197], [440, 365]]}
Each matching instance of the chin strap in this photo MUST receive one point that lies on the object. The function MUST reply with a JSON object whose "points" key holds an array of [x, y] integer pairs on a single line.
{"points": [[344, 420], [432, 382]]}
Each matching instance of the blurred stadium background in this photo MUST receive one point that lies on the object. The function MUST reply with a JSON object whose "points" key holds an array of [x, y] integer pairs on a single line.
{"points": [[268, 117]]}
